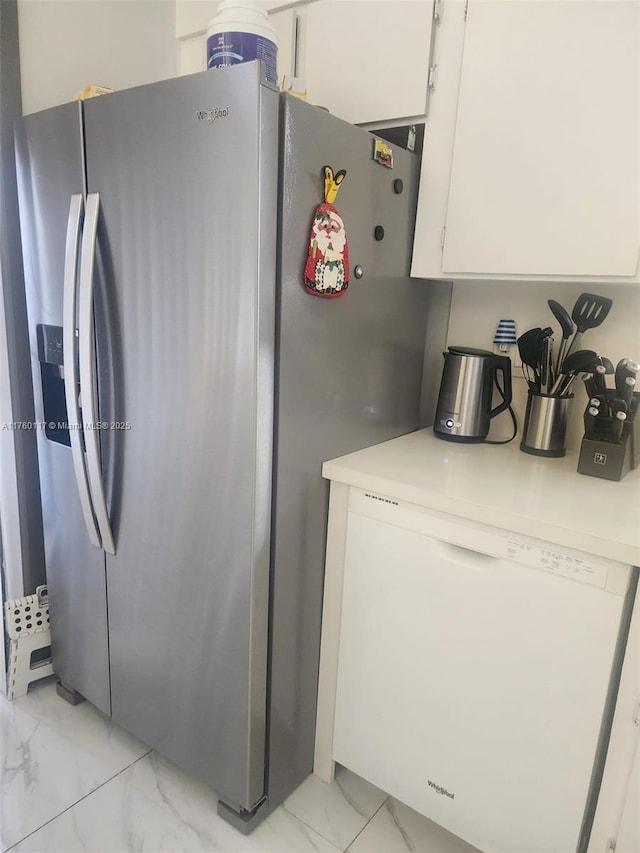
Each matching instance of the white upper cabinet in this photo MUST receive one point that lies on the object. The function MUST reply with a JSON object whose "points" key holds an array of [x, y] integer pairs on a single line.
{"points": [[367, 60], [532, 156]]}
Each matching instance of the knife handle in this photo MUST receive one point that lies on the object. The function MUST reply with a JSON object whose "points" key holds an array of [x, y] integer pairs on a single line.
{"points": [[619, 410], [599, 379], [592, 420], [617, 426], [627, 390], [591, 385], [634, 397], [626, 370]]}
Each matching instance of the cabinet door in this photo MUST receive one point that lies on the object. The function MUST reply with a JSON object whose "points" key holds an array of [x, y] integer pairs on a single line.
{"points": [[284, 20], [368, 61], [617, 815], [628, 840], [545, 176]]}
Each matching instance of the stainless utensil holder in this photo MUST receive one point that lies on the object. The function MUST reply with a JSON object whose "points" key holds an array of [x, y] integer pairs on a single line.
{"points": [[545, 425]]}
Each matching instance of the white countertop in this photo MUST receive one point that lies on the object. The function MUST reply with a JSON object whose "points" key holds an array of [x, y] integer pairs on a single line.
{"points": [[502, 486]]}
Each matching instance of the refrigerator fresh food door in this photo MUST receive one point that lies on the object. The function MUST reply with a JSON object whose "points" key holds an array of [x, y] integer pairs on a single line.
{"points": [[184, 297], [51, 181], [349, 376]]}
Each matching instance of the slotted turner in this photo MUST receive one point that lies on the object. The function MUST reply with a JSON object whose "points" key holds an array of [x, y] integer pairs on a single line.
{"points": [[588, 312]]}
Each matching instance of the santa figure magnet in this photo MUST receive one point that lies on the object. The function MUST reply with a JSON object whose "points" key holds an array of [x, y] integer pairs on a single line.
{"points": [[326, 272]]}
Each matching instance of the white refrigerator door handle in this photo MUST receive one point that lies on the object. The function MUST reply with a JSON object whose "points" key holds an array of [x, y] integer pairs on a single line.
{"points": [[86, 348], [74, 227]]}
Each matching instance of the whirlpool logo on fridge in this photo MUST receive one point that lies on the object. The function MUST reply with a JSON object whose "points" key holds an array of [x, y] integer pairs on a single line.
{"points": [[440, 790], [209, 116]]}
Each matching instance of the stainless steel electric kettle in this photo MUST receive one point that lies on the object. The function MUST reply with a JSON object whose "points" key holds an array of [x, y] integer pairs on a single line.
{"points": [[469, 376]]}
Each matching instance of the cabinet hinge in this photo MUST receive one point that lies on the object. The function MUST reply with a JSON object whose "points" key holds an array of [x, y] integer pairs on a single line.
{"points": [[466, 9], [432, 81], [442, 237], [433, 68]]}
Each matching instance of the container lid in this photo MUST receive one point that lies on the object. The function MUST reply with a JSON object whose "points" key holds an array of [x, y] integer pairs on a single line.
{"points": [[471, 351], [254, 5]]}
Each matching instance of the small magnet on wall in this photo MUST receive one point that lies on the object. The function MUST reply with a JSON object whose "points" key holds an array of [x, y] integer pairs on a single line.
{"points": [[398, 186], [378, 233], [358, 271]]}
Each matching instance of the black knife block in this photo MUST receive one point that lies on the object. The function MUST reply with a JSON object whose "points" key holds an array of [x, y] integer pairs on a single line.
{"points": [[609, 460]]}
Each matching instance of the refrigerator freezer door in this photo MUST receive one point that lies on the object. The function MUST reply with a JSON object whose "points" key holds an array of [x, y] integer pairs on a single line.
{"points": [[349, 376], [186, 171], [50, 168]]}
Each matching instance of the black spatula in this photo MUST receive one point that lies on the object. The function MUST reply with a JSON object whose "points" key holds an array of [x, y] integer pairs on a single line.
{"points": [[529, 348], [588, 312]]}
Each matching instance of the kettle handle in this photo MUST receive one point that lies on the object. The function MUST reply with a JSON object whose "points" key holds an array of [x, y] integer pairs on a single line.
{"points": [[503, 364]]}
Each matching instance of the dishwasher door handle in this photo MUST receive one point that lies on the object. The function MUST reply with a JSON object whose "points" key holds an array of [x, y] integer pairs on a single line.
{"points": [[467, 557]]}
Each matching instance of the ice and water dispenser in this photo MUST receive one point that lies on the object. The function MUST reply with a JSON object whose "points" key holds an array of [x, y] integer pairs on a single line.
{"points": [[50, 356]]}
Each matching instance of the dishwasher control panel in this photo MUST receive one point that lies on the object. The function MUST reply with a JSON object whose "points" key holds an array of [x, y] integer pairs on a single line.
{"points": [[558, 562], [491, 541]]}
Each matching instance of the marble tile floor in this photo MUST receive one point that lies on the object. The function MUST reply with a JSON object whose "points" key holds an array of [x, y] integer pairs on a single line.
{"points": [[70, 780]]}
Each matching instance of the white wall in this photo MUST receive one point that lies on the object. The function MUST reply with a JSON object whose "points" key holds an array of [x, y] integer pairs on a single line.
{"points": [[477, 306], [66, 44]]}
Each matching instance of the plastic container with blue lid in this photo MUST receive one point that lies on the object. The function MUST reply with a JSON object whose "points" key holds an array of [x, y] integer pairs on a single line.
{"points": [[242, 32]]}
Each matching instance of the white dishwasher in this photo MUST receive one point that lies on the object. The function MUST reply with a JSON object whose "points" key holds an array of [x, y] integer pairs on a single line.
{"points": [[476, 673]]}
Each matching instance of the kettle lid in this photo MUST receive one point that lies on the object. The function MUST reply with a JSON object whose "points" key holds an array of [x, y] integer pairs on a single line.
{"points": [[471, 351]]}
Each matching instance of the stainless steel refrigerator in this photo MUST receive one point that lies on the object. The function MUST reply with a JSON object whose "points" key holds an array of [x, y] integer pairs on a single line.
{"points": [[188, 390]]}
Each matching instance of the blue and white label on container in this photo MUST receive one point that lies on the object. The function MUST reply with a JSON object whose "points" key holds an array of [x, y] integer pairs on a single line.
{"points": [[230, 48]]}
